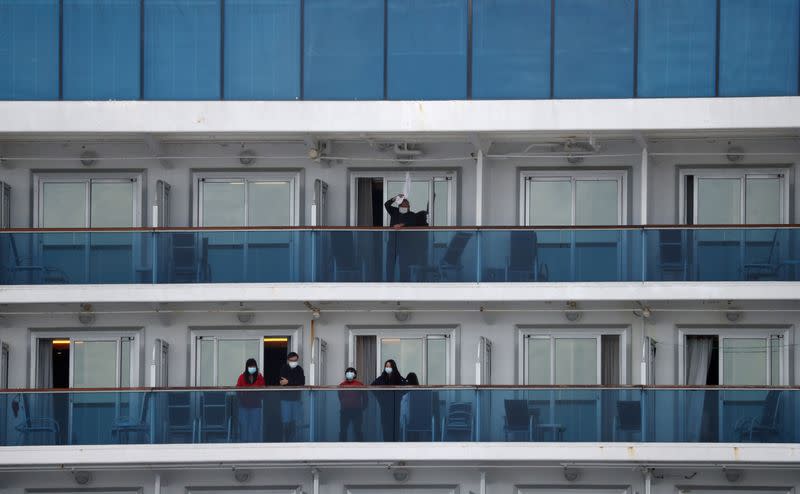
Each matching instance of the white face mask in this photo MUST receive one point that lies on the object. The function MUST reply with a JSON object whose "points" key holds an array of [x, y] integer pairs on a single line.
{"points": [[251, 370], [292, 364], [403, 210], [387, 370], [349, 376]]}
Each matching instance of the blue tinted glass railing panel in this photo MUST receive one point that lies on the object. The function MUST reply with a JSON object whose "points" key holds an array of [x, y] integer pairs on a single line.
{"points": [[677, 48], [405, 255], [758, 47], [182, 49], [29, 49], [406, 414], [593, 49], [343, 49], [101, 50], [511, 49], [427, 49], [262, 49]]}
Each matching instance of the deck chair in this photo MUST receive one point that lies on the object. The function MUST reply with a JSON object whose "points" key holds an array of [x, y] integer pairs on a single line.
{"points": [[767, 427], [420, 419], [136, 423], [673, 255], [189, 261], [628, 419], [347, 264], [519, 420], [768, 268], [522, 263], [31, 271], [35, 431], [215, 423], [450, 266], [458, 422]]}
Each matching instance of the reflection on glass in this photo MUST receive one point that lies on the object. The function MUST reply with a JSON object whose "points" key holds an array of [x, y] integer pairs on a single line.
{"points": [[232, 356], [407, 352], [538, 361], [436, 369], [763, 203], [94, 364], [205, 371], [596, 202], [64, 205], [125, 363], [550, 202], [269, 204], [441, 196], [112, 204], [223, 203], [744, 361], [718, 201], [576, 361]]}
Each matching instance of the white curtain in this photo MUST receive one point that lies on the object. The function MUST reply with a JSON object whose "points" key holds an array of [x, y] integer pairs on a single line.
{"points": [[698, 358]]}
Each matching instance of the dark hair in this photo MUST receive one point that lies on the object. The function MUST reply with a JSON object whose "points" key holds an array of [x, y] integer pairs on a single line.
{"points": [[292, 354], [351, 369], [395, 378], [412, 379], [250, 378]]}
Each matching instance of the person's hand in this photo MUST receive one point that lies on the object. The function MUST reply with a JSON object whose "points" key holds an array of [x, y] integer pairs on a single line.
{"points": [[399, 225], [283, 381]]}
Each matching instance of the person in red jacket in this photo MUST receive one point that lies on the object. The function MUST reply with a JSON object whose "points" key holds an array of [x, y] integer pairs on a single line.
{"points": [[352, 405], [250, 420]]}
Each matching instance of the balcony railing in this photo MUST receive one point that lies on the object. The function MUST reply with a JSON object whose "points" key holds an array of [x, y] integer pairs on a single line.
{"points": [[465, 414], [486, 255]]}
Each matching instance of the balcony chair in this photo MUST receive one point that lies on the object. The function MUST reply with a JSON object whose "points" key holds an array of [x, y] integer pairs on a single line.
{"points": [[628, 420], [418, 416], [215, 422], [450, 266], [673, 255], [522, 264], [137, 423], [766, 427], [768, 268], [458, 422], [38, 428], [34, 272], [519, 420], [348, 265], [189, 261]]}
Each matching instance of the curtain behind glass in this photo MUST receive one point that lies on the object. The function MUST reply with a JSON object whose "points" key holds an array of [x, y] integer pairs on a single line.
{"points": [[609, 360], [366, 356]]}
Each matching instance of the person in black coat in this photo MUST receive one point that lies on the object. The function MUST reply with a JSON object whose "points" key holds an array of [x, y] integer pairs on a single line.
{"points": [[406, 248], [291, 374], [389, 401]]}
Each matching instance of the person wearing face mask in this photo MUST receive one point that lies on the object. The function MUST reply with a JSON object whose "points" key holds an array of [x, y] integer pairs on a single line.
{"points": [[352, 405], [291, 407], [249, 410], [403, 248], [389, 401]]}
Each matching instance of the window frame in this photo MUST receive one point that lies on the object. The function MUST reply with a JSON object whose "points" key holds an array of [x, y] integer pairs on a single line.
{"points": [[783, 173], [136, 336], [42, 178], [291, 176], [722, 332], [432, 176], [554, 332], [409, 332], [552, 175], [237, 333]]}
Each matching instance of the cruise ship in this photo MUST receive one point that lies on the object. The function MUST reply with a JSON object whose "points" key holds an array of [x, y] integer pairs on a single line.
{"points": [[573, 221]]}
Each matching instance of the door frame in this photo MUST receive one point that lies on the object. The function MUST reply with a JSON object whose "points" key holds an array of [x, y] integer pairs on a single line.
{"points": [[36, 334], [241, 333]]}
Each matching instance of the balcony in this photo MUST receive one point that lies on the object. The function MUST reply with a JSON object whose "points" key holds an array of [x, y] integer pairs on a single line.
{"points": [[458, 255], [454, 414]]}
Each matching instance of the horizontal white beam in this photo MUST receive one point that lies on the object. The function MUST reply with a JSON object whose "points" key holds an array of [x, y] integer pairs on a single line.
{"points": [[64, 457], [308, 117], [380, 292]]}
